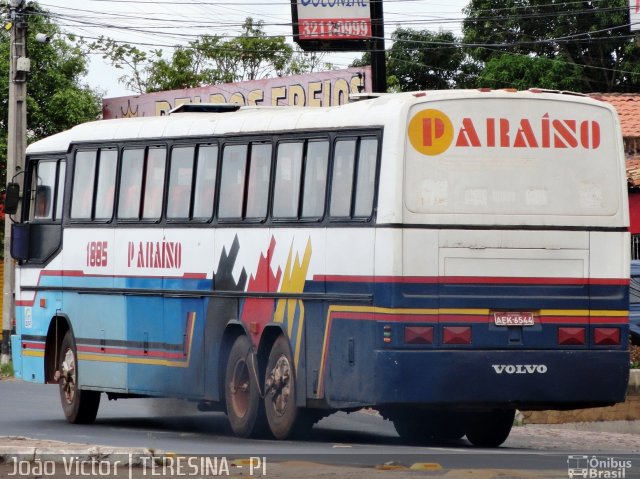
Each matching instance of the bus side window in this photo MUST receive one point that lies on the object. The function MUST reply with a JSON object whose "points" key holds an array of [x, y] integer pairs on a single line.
{"points": [[130, 183], [43, 202], [259, 174], [286, 194], [62, 172], [366, 177], [47, 190], [205, 186], [154, 183], [342, 178], [315, 179], [180, 178], [84, 173], [108, 160], [234, 165]]}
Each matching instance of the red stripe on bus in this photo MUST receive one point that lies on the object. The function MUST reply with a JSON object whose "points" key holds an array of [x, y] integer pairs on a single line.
{"points": [[469, 280], [130, 352]]}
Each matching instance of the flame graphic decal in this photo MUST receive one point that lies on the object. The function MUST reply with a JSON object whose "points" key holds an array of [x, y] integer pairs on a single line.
{"points": [[291, 311]]}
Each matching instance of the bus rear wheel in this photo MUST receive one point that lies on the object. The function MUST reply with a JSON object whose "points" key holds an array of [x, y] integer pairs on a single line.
{"points": [[489, 428], [280, 392], [80, 406], [244, 408]]}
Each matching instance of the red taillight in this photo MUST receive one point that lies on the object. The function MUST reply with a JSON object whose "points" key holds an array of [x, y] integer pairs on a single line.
{"points": [[571, 336], [418, 335], [606, 336], [456, 335]]}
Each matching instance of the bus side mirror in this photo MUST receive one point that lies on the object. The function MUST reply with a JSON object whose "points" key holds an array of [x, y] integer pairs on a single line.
{"points": [[12, 198]]}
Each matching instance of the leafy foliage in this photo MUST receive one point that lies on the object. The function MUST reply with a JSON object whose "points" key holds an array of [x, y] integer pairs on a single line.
{"points": [[57, 100], [523, 72], [6, 370], [421, 60], [634, 351], [592, 36], [208, 60], [581, 46]]}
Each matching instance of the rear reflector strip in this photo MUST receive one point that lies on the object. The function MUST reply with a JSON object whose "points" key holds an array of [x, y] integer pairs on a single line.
{"points": [[456, 335], [606, 336], [571, 336], [418, 335]]}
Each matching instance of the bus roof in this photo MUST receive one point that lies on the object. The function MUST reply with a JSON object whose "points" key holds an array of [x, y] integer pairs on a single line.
{"points": [[260, 119]]}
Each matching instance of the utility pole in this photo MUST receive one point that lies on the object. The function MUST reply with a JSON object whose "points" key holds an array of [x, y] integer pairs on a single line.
{"points": [[378, 57], [19, 67]]}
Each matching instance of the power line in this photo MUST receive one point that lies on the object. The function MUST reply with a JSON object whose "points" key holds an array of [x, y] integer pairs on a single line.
{"points": [[150, 24]]}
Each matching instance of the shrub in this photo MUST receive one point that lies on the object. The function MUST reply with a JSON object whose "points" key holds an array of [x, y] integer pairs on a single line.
{"points": [[635, 356]]}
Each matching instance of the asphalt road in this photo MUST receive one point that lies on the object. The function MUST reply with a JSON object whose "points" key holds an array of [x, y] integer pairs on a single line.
{"points": [[357, 439]]}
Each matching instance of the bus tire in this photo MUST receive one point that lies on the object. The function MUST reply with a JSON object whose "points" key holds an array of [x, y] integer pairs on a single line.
{"points": [[80, 406], [241, 389], [280, 391], [489, 428]]}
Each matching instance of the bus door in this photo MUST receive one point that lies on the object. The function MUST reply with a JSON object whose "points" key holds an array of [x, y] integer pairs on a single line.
{"points": [[35, 242]]}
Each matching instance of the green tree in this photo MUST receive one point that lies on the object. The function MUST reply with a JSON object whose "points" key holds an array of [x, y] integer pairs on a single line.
{"points": [[125, 56], [592, 36], [208, 60], [57, 98], [422, 59], [523, 72]]}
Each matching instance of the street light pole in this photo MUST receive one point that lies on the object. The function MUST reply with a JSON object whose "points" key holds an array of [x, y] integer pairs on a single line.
{"points": [[16, 144], [378, 57]]}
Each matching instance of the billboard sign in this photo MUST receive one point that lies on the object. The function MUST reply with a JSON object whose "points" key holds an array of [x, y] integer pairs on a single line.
{"points": [[332, 24], [313, 89]]}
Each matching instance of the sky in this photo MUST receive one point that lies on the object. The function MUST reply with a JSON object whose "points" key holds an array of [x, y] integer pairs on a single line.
{"points": [[153, 24]]}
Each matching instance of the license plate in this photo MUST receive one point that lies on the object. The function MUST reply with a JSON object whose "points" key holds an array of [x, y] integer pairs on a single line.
{"points": [[513, 319]]}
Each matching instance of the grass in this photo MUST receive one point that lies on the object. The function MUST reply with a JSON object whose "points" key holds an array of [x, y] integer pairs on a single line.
{"points": [[6, 370]]}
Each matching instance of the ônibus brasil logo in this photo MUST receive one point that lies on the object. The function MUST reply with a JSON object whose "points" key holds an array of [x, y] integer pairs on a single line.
{"points": [[431, 132]]}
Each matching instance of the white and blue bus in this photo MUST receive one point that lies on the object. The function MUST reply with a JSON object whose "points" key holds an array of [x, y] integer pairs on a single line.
{"points": [[444, 257]]}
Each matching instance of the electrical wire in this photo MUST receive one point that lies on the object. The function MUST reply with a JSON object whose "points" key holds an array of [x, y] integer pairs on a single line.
{"points": [[145, 23]]}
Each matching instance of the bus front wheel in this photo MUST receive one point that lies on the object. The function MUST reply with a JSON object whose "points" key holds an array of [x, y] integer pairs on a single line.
{"points": [[241, 389], [280, 391], [489, 428], [79, 406]]}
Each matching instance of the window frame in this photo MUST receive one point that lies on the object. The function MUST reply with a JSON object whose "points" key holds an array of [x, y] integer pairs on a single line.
{"points": [[194, 159], [216, 146], [352, 217], [29, 202], [145, 147]]}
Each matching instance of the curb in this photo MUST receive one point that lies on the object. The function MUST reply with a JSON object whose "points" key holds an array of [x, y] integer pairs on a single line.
{"points": [[53, 451]]}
